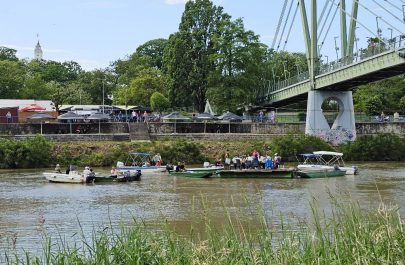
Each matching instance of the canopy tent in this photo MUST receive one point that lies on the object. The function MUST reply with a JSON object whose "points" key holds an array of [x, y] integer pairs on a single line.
{"points": [[99, 116], [70, 116], [208, 108], [229, 116], [41, 117], [32, 107], [205, 116], [175, 117]]}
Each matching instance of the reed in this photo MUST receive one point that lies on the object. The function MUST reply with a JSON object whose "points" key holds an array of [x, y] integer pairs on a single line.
{"points": [[347, 235]]}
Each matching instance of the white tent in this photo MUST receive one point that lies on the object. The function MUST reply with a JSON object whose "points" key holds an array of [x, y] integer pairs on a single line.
{"points": [[208, 108]]}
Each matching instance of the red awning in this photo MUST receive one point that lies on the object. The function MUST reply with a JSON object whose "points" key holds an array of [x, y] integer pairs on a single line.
{"points": [[33, 107]]}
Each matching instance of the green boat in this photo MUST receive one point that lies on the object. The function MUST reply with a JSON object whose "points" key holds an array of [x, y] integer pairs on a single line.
{"points": [[191, 174], [256, 173], [319, 173]]}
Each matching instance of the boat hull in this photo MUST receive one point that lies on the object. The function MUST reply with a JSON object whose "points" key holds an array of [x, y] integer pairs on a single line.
{"points": [[64, 178], [319, 173], [308, 167], [191, 174], [256, 173]]}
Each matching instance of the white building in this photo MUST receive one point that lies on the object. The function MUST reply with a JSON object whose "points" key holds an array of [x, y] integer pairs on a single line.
{"points": [[38, 52]]}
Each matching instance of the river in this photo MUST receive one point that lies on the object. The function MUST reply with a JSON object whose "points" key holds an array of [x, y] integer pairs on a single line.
{"points": [[30, 206]]}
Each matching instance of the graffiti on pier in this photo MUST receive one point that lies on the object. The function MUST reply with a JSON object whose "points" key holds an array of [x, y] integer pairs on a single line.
{"points": [[336, 136]]}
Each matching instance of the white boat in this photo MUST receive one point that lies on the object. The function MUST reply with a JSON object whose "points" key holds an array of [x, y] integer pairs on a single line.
{"points": [[326, 160], [140, 162], [73, 176]]}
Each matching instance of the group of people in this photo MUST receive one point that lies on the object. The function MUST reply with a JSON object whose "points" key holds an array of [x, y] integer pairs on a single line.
{"points": [[253, 161], [136, 116]]}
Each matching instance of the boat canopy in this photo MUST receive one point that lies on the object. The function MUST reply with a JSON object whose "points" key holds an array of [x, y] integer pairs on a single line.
{"points": [[328, 153], [309, 155], [138, 157]]}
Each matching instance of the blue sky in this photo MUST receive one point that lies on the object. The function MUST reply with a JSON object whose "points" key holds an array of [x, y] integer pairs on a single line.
{"points": [[95, 33]]}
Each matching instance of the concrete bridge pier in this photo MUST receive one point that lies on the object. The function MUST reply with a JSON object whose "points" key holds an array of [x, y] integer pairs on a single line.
{"points": [[343, 128]]}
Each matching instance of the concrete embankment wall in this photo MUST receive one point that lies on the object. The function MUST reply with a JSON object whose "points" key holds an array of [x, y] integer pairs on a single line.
{"points": [[154, 131]]}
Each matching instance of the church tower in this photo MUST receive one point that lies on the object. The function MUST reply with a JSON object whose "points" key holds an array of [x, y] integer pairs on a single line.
{"points": [[38, 52]]}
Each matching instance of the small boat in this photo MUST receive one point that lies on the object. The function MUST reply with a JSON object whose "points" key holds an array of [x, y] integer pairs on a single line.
{"points": [[140, 161], [256, 173], [72, 176], [127, 176], [190, 174], [324, 160], [320, 173]]}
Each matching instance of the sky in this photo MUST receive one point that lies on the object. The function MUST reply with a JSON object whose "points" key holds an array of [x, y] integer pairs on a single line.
{"points": [[95, 33]]}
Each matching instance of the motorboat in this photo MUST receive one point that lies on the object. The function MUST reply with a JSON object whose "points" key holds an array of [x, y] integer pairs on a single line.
{"points": [[139, 162], [324, 161], [122, 176], [336, 159], [191, 174], [207, 167], [71, 176]]}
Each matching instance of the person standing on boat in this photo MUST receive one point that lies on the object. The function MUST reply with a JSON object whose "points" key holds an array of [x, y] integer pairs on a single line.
{"points": [[57, 168], [277, 160], [114, 172], [227, 160], [157, 159]]}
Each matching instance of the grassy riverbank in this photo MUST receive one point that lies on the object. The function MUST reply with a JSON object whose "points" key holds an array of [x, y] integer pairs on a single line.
{"points": [[38, 152], [349, 236]]}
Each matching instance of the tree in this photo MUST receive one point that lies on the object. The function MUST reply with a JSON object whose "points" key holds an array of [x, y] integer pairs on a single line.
{"points": [[154, 49], [141, 88], [12, 76], [373, 105], [96, 83], [158, 102], [35, 88], [8, 54], [55, 71], [239, 66], [188, 53], [56, 93], [402, 104]]}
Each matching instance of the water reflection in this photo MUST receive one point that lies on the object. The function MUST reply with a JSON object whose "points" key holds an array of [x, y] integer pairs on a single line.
{"points": [[30, 205]]}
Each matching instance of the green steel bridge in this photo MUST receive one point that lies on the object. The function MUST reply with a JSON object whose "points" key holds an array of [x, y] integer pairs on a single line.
{"points": [[336, 80]]}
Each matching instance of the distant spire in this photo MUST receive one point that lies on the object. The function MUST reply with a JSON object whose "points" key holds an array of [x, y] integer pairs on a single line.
{"points": [[38, 50]]}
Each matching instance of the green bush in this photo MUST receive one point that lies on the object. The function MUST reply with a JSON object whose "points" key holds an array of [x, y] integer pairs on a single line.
{"points": [[290, 145], [177, 151], [384, 147], [30, 153]]}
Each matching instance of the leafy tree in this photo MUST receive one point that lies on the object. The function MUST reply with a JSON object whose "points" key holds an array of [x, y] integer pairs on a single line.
{"points": [[55, 71], [12, 76], [74, 94], [402, 104], [142, 87], [239, 66], [154, 49], [188, 53], [56, 93], [35, 88], [158, 102], [95, 83], [8, 54], [373, 105]]}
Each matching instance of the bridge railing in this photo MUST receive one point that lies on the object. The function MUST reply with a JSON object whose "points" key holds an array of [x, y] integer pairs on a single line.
{"points": [[374, 48]]}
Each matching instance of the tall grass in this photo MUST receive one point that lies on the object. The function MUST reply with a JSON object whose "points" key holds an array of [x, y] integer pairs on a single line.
{"points": [[349, 235]]}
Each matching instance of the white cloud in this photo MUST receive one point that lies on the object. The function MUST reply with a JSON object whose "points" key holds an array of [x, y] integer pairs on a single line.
{"points": [[175, 2]]}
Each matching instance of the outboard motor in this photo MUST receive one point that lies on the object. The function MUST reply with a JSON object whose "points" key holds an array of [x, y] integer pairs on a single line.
{"points": [[169, 167], [90, 177]]}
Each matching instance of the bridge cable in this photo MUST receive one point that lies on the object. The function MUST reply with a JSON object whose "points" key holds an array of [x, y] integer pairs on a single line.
{"points": [[280, 20], [394, 6], [361, 24], [326, 19], [330, 25], [323, 13], [285, 24], [379, 17], [292, 23], [389, 12]]}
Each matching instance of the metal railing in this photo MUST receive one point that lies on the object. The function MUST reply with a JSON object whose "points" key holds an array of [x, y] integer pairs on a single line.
{"points": [[362, 54]]}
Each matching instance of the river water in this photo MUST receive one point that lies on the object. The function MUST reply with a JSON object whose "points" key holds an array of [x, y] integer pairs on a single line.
{"points": [[30, 206]]}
